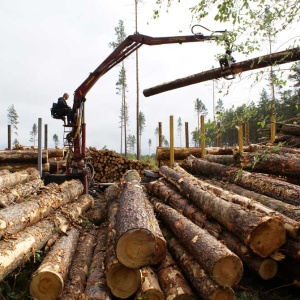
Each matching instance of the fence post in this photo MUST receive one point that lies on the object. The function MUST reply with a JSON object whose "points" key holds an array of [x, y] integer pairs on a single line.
{"points": [[171, 142]]}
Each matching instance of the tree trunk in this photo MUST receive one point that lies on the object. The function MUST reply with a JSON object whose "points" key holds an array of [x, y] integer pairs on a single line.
{"points": [[172, 281], [96, 287], [122, 281], [290, 129], [17, 250], [150, 288], [224, 266], [292, 227], [223, 159], [261, 233], [79, 268], [206, 287], [56, 153], [48, 280], [163, 153], [257, 182], [272, 163], [12, 179], [136, 243], [22, 156], [19, 192], [16, 217], [163, 191], [20, 167], [250, 64], [290, 140]]}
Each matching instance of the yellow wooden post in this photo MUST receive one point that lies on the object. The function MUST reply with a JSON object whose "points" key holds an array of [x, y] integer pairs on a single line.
{"points": [[240, 134], [171, 142], [187, 143], [247, 134], [218, 134], [159, 134], [203, 150], [273, 128]]}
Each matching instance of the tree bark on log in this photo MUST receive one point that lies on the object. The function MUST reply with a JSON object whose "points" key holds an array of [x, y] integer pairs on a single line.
{"points": [[290, 140], [172, 281], [227, 160], [150, 288], [15, 218], [19, 192], [16, 251], [272, 163], [48, 280], [291, 129], [291, 226], [96, 287], [292, 249], [250, 64], [206, 287], [22, 156], [56, 152], [80, 265], [257, 182], [163, 153], [223, 265], [261, 233], [163, 191], [136, 243], [12, 179], [122, 281]]}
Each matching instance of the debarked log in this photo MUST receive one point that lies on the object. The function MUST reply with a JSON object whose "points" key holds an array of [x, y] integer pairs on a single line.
{"points": [[204, 284], [136, 242], [11, 179], [263, 234], [16, 217], [48, 280], [17, 250], [19, 192], [220, 263], [257, 182]]}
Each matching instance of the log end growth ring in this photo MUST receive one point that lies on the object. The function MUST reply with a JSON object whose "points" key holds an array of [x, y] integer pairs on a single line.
{"points": [[122, 281], [46, 286], [267, 237], [228, 271], [223, 294], [268, 269], [136, 248]]}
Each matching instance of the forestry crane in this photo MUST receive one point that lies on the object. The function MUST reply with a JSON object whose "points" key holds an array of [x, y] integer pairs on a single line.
{"points": [[78, 164]]}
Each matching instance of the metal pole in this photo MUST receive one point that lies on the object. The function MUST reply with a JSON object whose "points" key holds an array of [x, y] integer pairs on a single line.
{"points": [[171, 142], [240, 134], [218, 134], [40, 146], [46, 137], [187, 143], [203, 150], [9, 137], [273, 128], [247, 134], [159, 134]]}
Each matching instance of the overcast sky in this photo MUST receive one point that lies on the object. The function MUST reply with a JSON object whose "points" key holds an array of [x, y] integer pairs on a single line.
{"points": [[50, 47]]}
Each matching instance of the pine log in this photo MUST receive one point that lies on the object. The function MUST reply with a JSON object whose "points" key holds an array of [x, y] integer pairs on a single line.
{"points": [[96, 287], [292, 129], [263, 234], [48, 280], [220, 263], [98, 212], [56, 152], [136, 243], [19, 167], [289, 210], [17, 250], [163, 153], [291, 226], [150, 288], [16, 217], [172, 281], [203, 283], [292, 249], [257, 182], [227, 160], [19, 192], [122, 281], [76, 282], [220, 151], [22, 156], [12, 179], [290, 140], [272, 163], [163, 191]]}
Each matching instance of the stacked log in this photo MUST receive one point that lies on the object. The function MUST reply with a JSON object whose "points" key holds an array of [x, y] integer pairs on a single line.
{"points": [[110, 166], [290, 135]]}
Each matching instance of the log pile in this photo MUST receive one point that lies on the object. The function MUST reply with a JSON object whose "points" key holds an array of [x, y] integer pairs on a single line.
{"points": [[110, 166]]}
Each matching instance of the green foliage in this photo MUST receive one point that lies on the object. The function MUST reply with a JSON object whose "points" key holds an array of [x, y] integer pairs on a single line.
{"points": [[55, 139], [13, 118], [33, 133]]}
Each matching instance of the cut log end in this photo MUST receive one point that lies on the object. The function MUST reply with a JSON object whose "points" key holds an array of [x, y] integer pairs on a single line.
{"points": [[46, 286], [136, 248], [122, 281], [267, 237], [228, 271], [223, 294], [152, 295], [268, 269]]}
